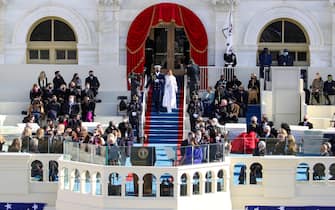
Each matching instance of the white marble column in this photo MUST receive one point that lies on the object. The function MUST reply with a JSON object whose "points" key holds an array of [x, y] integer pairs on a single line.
{"points": [[3, 4], [108, 29], [332, 8]]}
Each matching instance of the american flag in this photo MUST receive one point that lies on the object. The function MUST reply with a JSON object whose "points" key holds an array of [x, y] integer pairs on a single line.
{"points": [[22, 206], [289, 207], [228, 29]]}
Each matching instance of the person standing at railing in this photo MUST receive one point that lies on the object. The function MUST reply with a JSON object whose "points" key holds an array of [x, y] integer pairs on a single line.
{"points": [[229, 58], [265, 61], [193, 73]]}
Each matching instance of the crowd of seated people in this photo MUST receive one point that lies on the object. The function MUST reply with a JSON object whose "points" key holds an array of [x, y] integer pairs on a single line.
{"points": [[227, 101], [208, 135], [57, 99], [321, 92]]}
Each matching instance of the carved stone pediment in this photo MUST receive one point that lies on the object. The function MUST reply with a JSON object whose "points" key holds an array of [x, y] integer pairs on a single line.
{"points": [[114, 4]]}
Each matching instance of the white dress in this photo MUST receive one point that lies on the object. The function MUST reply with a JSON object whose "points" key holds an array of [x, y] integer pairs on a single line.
{"points": [[170, 90]]}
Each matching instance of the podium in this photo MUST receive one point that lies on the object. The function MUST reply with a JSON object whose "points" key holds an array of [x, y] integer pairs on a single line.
{"points": [[143, 156]]}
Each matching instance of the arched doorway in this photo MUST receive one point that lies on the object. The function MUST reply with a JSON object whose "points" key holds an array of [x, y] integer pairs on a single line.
{"points": [[284, 33], [176, 33]]}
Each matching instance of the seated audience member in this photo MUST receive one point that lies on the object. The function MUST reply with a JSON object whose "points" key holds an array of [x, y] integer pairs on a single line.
{"points": [[35, 93], [234, 83], [58, 81], [291, 145], [71, 108], [62, 93], [234, 111], [186, 142], [77, 81], [281, 145], [260, 150], [241, 97], [306, 122], [87, 92], [222, 111], [42, 141], [317, 87], [15, 146], [74, 123], [37, 110], [26, 138], [267, 132], [254, 126], [329, 90], [42, 80], [253, 89], [207, 100], [53, 108], [324, 149], [111, 127], [72, 90], [222, 82], [47, 94]]}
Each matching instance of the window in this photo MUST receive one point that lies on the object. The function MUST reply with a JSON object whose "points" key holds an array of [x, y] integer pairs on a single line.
{"points": [[52, 41], [285, 34]]}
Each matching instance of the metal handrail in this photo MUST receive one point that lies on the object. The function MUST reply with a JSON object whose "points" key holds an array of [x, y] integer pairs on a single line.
{"points": [[184, 109], [144, 106]]}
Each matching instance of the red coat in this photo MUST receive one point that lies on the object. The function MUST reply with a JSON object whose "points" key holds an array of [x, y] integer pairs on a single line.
{"points": [[244, 143]]}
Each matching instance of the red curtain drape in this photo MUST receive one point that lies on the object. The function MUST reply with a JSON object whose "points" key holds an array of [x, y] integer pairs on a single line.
{"points": [[165, 12]]}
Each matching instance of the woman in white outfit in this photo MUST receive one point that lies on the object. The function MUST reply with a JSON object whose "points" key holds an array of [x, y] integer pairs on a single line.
{"points": [[170, 91]]}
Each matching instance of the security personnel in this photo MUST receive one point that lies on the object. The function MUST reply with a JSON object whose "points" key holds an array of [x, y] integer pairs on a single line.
{"points": [[193, 73], [157, 82], [194, 110], [134, 113]]}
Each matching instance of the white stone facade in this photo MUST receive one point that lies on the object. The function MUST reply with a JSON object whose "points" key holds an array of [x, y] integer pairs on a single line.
{"points": [[101, 28]]}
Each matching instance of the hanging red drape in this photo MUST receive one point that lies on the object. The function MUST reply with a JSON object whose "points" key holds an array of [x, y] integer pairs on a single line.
{"points": [[165, 12]]}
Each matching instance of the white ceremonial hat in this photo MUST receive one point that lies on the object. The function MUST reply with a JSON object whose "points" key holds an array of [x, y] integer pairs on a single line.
{"points": [[157, 66]]}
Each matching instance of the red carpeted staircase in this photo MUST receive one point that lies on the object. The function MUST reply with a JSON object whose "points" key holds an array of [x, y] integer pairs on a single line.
{"points": [[165, 128]]}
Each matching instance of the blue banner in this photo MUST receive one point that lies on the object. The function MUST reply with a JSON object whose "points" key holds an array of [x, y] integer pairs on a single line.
{"points": [[22, 206], [289, 208]]}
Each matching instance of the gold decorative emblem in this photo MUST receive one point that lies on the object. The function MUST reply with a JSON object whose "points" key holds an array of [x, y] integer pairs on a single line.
{"points": [[143, 153]]}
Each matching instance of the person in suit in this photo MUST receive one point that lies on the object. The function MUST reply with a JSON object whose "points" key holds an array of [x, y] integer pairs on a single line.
{"points": [[285, 59], [265, 60], [193, 73], [229, 58], [71, 108], [93, 81], [306, 122], [157, 83], [58, 81]]}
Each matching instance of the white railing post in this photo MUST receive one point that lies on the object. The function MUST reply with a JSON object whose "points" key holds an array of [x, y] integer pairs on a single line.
{"points": [[144, 105]]}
